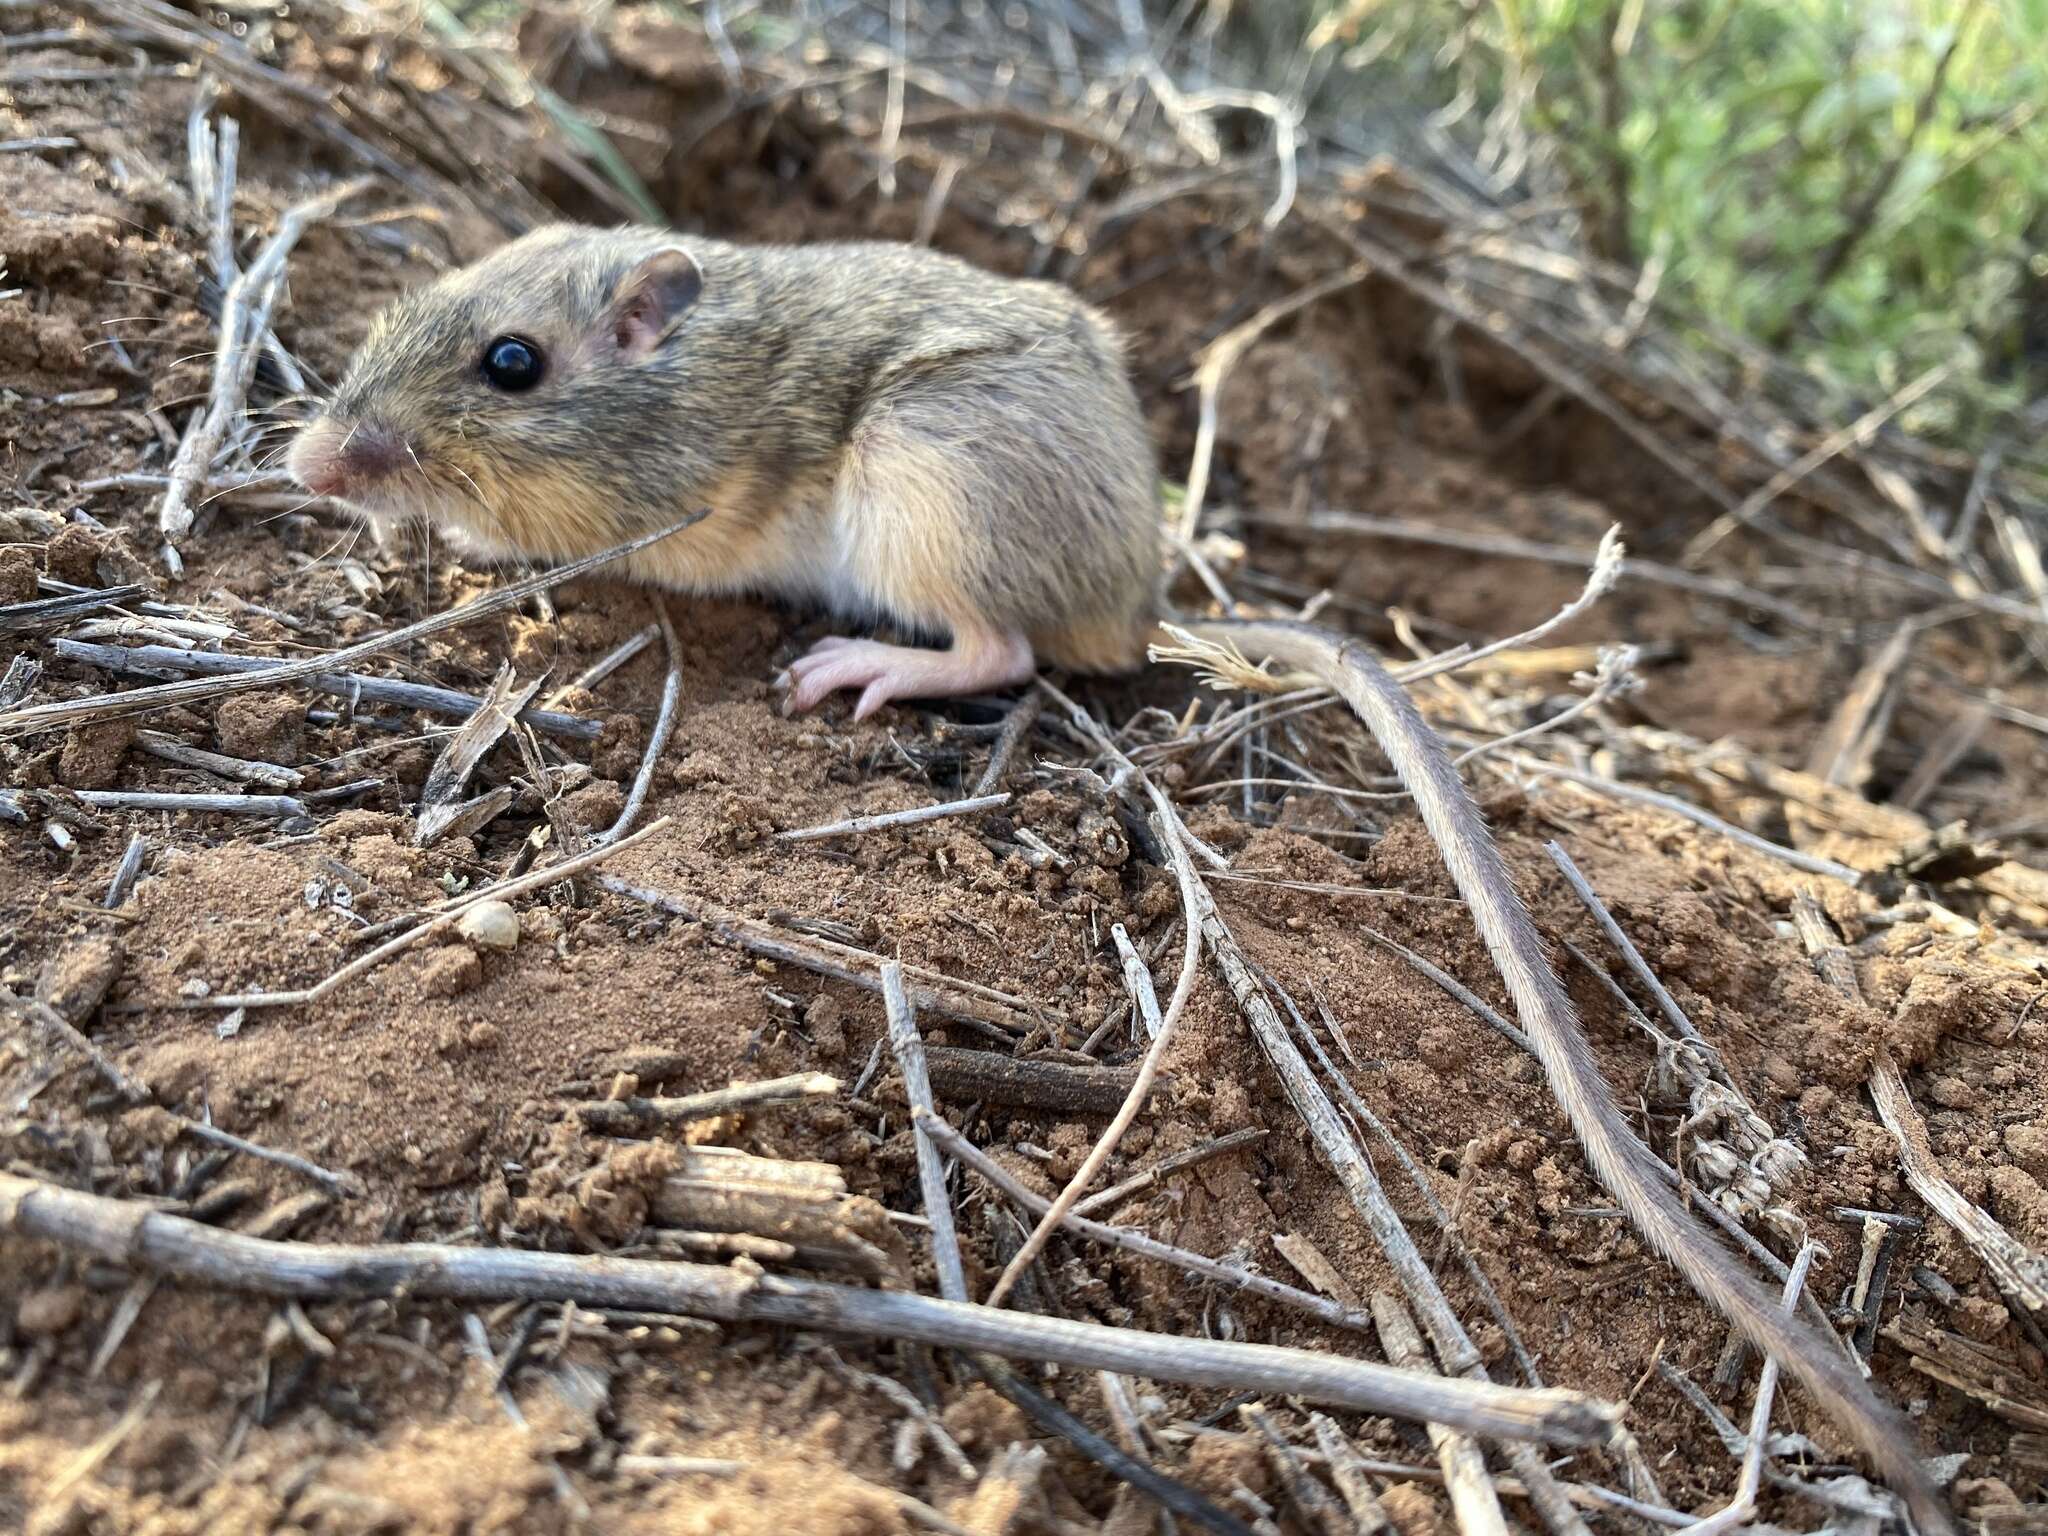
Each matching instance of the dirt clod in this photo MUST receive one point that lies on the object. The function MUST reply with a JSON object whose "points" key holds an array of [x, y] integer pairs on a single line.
{"points": [[93, 754], [2027, 1145], [265, 727], [74, 555], [17, 575], [77, 979], [451, 971]]}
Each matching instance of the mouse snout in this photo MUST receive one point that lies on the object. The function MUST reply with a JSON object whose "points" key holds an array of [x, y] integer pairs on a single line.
{"points": [[333, 458]]}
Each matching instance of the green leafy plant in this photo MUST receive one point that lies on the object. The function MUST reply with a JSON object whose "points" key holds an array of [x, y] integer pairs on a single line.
{"points": [[1861, 188]]}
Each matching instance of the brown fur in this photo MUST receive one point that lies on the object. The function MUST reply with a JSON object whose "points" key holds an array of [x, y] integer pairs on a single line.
{"points": [[878, 427]]}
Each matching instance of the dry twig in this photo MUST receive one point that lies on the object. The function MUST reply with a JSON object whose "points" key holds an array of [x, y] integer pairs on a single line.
{"points": [[356, 687], [657, 738], [912, 817], [1192, 891], [2020, 1273], [637, 1117], [1474, 1501], [929, 989], [908, 1045], [244, 318], [1232, 1275], [127, 1233], [503, 890], [43, 717]]}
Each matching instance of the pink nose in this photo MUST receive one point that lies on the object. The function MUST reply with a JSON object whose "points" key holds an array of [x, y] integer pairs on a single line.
{"points": [[329, 458]]}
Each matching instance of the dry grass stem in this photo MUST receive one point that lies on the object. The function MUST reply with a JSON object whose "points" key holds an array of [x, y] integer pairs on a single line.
{"points": [[657, 737], [1362, 1113], [588, 679], [1624, 946], [1475, 1503], [1743, 1505], [1508, 547], [1608, 564], [1214, 363], [346, 1185], [1138, 1183], [908, 1046], [1235, 1276], [244, 319], [503, 890], [1860, 430], [1192, 893], [356, 687], [1806, 863], [912, 817], [2020, 1273], [43, 717]]}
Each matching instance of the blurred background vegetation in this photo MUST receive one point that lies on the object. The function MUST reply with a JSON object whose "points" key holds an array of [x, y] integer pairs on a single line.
{"points": [[1844, 194], [1856, 186]]}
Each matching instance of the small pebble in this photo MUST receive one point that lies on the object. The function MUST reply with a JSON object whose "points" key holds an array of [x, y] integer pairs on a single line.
{"points": [[490, 925], [48, 1312], [1952, 1093]]}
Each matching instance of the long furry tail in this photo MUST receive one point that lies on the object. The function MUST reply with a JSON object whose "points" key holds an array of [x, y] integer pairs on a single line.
{"points": [[1621, 1162]]}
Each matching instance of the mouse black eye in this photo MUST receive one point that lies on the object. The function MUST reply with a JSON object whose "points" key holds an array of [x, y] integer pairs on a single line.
{"points": [[512, 364]]}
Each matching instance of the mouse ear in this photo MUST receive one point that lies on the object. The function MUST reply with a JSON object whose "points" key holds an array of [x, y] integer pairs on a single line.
{"points": [[650, 300]]}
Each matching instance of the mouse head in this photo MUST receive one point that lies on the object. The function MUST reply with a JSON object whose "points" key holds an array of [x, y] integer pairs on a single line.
{"points": [[518, 403]]}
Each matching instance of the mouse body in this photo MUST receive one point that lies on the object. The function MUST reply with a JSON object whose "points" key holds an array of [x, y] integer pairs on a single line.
{"points": [[883, 429], [902, 436]]}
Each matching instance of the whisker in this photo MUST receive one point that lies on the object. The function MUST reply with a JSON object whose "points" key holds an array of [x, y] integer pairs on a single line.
{"points": [[142, 287], [263, 522], [426, 566], [229, 490]]}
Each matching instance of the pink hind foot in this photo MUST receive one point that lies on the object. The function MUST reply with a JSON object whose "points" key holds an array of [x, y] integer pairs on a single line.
{"points": [[974, 664]]}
